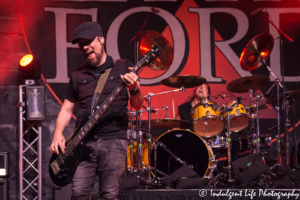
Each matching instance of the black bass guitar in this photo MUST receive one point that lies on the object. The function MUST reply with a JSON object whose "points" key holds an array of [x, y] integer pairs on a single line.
{"points": [[63, 166]]}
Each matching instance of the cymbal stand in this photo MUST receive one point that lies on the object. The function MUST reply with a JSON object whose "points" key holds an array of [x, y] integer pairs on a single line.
{"points": [[252, 115], [281, 36], [257, 97], [149, 126], [228, 109], [131, 167], [277, 83], [139, 140], [149, 135]]}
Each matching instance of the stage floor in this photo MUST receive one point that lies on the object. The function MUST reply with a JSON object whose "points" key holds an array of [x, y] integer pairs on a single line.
{"points": [[193, 194]]}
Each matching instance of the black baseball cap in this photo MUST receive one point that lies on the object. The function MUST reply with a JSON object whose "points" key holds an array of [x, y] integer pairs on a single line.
{"points": [[87, 30]]}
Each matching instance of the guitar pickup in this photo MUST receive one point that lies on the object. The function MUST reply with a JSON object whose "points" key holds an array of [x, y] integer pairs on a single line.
{"points": [[55, 168]]}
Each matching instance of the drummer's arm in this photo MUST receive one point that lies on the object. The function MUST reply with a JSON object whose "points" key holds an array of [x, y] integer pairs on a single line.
{"points": [[177, 116]]}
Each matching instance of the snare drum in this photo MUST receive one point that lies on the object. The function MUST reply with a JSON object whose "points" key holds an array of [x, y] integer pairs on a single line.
{"points": [[208, 120], [238, 117], [188, 146]]}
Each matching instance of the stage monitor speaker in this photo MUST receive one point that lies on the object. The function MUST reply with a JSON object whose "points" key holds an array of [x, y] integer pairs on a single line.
{"points": [[3, 189], [249, 168], [4, 164]]}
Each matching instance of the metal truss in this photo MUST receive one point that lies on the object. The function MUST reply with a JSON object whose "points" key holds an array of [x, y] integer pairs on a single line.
{"points": [[30, 153]]}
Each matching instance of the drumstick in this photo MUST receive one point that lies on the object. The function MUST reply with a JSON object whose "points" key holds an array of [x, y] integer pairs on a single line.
{"points": [[173, 108]]}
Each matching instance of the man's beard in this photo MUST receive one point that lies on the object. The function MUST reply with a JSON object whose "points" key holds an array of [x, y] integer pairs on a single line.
{"points": [[98, 56], [94, 62]]}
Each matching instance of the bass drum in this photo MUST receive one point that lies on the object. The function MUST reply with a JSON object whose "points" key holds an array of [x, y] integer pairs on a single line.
{"points": [[189, 147]]}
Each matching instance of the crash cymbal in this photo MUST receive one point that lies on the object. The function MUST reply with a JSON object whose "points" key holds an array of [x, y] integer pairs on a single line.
{"points": [[167, 123], [149, 38], [244, 84], [253, 107], [186, 81], [293, 93], [259, 48]]}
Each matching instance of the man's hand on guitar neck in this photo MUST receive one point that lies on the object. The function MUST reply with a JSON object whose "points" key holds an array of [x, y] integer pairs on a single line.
{"points": [[58, 141]]}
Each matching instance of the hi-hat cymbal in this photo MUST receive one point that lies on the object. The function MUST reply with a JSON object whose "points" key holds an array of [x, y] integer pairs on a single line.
{"points": [[244, 84], [259, 48], [167, 123], [289, 95], [186, 81], [149, 38]]}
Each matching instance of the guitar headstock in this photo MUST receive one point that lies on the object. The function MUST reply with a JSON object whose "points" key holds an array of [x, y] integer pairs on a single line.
{"points": [[148, 57]]}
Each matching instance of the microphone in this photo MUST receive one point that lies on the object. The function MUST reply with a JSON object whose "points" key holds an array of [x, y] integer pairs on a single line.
{"points": [[256, 12], [155, 9]]}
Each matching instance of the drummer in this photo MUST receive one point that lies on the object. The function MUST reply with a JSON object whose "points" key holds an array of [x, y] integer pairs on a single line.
{"points": [[202, 93]]}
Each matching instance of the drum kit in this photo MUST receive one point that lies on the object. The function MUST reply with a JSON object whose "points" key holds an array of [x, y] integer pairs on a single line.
{"points": [[212, 124]]}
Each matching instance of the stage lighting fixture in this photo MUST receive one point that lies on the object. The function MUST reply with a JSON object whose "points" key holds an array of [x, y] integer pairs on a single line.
{"points": [[35, 102], [29, 68], [4, 164]]}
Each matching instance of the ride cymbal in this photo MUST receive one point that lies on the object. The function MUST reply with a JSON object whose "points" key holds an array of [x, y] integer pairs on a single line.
{"points": [[258, 49], [149, 38], [244, 84], [185, 81]]}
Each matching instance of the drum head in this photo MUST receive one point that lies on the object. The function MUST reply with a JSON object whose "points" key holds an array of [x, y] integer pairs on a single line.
{"points": [[209, 126], [238, 122], [186, 145]]}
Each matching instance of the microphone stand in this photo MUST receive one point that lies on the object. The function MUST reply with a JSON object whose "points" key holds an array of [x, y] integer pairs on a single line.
{"points": [[286, 139]]}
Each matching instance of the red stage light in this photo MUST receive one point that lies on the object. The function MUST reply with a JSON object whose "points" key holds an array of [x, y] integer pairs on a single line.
{"points": [[263, 54], [26, 60], [29, 67]]}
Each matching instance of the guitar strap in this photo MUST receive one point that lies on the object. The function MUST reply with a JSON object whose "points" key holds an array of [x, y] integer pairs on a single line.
{"points": [[97, 94], [99, 88]]}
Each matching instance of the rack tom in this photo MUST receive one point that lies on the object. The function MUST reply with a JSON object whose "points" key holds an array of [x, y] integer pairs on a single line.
{"points": [[238, 116], [207, 117]]}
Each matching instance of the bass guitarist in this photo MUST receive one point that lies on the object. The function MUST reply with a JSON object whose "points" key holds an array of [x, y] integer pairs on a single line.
{"points": [[108, 136]]}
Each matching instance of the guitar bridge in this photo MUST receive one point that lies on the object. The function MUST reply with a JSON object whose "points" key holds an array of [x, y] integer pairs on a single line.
{"points": [[55, 168]]}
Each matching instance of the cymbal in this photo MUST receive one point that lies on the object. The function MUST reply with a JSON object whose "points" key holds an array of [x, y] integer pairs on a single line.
{"points": [[167, 123], [186, 81], [253, 107], [244, 84], [293, 93], [258, 49], [149, 38]]}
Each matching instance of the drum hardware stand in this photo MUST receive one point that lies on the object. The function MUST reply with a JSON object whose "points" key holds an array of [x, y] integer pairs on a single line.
{"points": [[130, 144], [149, 128], [277, 83], [257, 97], [286, 139], [252, 115], [228, 109], [155, 145]]}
